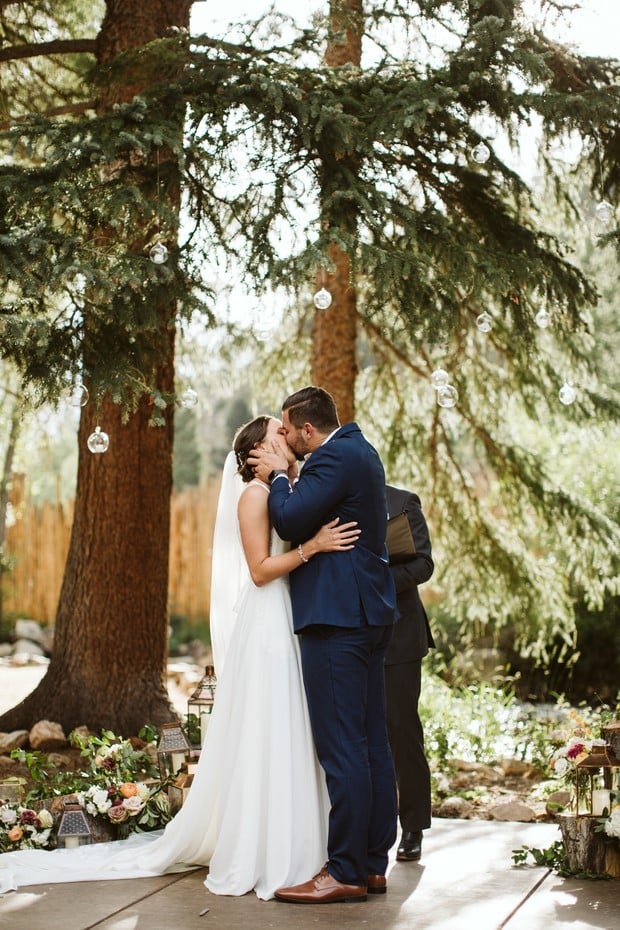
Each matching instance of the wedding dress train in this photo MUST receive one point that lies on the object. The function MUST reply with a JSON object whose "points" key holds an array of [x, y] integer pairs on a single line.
{"points": [[257, 810]]}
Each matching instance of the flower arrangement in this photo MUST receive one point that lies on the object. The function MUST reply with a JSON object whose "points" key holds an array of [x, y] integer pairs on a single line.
{"points": [[118, 782], [132, 806], [23, 828], [574, 749], [119, 789]]}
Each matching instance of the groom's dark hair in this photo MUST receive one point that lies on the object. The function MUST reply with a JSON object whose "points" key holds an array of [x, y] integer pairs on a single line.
{"points": [[312, 405]]}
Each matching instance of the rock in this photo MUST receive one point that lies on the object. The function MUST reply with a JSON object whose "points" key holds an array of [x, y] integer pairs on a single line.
{"points": [[28, 648], [6, 649], [455, 807], [11, 741], [517, 767], [513, 810], [46, 735], [29, 629], [556, 802]]}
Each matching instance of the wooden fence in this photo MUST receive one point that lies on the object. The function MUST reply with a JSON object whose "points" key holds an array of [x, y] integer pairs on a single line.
{"points": [[37, 542]]}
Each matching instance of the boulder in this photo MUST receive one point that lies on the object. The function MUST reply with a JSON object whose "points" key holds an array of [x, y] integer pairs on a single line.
{"points": [[11, 741], [455, 807], [46, 735], [512, 810]]}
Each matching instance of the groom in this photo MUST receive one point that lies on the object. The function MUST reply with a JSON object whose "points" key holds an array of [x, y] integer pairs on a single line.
{"points": [[343, 610]]}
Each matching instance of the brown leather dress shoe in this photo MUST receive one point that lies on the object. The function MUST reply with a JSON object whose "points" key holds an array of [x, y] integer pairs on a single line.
{"points": [[377, 884], [322, 889]]}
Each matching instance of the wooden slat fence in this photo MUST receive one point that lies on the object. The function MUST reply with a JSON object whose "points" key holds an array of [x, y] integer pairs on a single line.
{"points": [[38, 542]]}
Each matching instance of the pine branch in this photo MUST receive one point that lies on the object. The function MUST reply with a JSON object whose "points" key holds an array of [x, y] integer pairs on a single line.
{"points": [[57, 47]]}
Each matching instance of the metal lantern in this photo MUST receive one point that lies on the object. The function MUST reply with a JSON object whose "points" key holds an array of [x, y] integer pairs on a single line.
{"points": [[200, 704], [73, 830], [596, 775], [12, 790], [172, 750], [178, 790]]}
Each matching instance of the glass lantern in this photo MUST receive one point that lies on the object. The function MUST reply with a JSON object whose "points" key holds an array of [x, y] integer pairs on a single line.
{"points": [[12, 790], [200, 703], [597, 775], [73, 830], [172, 749]]}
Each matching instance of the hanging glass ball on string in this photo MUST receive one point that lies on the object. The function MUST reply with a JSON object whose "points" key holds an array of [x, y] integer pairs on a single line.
{"points": [[481, 153], [567, 393], [604, 212], [439, 378], [98, 441], [322, 299], [79, 395], [447, 396], [484, 322], [543, 318], [189, 398], [159, 254]]}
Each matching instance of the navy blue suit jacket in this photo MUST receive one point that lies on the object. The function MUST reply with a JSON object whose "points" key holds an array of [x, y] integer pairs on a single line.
{"points": [[342, 478]]}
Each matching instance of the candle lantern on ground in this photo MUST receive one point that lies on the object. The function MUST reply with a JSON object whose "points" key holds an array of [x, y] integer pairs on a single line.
{"points": [[12, 790], [597, 776], [73, 830], [200, 704], [172, 750]]}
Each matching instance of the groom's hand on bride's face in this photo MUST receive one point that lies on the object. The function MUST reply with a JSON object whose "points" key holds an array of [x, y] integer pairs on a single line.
{"points": [[264, 462]]}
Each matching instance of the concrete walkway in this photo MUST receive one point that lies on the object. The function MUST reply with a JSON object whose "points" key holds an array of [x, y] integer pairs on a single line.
{"points": [[465, 881]]}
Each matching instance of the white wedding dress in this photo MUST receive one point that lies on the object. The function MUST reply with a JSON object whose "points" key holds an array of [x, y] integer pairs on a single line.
{"points": [[257, 810]]}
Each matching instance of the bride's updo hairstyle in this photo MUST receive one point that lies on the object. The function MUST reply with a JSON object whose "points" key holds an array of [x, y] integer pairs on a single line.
{"points": [[247, 438]]}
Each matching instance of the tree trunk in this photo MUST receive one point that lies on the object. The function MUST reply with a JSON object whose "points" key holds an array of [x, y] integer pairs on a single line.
{"points": [[333, 362], [588, 850], [5, 483], [109, 659]]}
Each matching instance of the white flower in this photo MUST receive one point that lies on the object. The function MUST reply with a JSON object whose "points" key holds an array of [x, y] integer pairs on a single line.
{"points": [[100, 799], [134, 805], [612, 826], [8, 816], [561, 766], [143, 790], [47, 821], [40, 839]]}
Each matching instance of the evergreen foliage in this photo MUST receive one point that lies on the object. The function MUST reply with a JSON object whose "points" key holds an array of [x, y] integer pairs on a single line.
{"points": [[284, 156]]}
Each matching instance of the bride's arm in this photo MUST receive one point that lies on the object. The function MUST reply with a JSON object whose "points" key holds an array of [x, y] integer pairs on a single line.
{"points": [[256, 537]]}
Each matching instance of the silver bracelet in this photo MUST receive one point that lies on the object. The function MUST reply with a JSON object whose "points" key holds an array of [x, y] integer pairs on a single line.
{"points": [[301, 553]]}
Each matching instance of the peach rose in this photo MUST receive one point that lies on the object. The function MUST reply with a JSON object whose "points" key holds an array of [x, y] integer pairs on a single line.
{"points": [[15, 834], [128, 789]]}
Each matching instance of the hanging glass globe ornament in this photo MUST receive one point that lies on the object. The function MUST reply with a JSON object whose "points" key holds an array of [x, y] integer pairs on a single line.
{"points": [[78, 396], [439, 379], [604, 212], [447, 396], [158, 254], [543, 318], [567, 393], [484, 322], [481, 153], [98, 441], [322, 299], [189, 398]]}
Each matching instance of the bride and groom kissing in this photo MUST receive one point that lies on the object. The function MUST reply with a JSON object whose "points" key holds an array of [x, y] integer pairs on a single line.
{"points": [[295, 794]]}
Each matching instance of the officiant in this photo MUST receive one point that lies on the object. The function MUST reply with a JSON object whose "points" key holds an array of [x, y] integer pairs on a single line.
{"points": [[411, 563]]}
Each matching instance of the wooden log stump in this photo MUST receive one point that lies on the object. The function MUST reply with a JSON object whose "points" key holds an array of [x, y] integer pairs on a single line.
{"points": [[588, 850]]}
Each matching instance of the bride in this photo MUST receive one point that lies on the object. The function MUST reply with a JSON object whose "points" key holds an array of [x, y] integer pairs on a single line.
{"points": [[257, 810]]}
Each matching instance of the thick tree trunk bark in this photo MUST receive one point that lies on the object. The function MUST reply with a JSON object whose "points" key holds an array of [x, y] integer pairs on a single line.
{"points": [[110, 648], [333, 362]]}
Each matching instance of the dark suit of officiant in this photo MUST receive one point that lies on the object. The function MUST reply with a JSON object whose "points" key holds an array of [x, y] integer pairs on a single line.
{"points": [[411, 639]]}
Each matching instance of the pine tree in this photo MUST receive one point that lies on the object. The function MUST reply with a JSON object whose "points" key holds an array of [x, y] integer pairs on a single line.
{"points": [[360, 175]]}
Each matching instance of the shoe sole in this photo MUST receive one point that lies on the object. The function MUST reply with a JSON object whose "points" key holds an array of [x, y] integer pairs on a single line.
{"points": [[378, 890], [347, 900], [403, 857]]}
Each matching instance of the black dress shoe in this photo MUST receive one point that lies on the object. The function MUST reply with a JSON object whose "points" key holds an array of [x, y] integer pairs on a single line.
{"points": [[410, 846]]}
